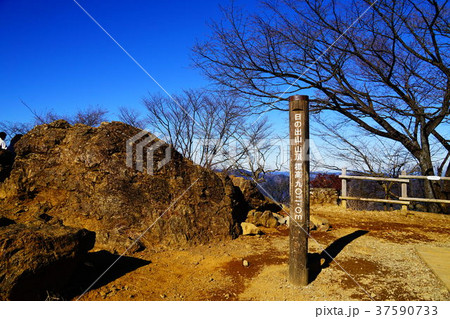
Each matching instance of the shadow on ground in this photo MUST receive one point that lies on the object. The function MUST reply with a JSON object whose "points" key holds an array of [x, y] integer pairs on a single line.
{"points": [[95, 265], [317, 262]]}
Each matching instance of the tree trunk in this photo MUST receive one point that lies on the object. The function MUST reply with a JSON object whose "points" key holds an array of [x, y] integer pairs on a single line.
{"points": [[432, 189], [446, 189]]}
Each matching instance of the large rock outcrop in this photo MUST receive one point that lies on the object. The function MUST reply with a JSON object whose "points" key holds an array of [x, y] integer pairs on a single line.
{"points": [[38, 259], [252, 196], [78, 174]]}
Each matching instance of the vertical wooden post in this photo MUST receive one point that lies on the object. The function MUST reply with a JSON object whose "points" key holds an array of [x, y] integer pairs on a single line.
{"points": [[299, 189], [404, 192], [344, 188]]}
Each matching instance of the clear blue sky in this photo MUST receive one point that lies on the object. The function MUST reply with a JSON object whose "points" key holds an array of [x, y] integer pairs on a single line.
{"points": [[54, 57]]}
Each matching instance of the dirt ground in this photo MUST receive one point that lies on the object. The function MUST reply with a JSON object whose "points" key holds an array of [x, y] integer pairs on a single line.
{"points": [[374, 258]]}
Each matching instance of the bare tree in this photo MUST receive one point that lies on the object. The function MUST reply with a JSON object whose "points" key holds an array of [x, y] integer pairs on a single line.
{"points": [[255, 151], [131, 117], [91, 116], [385, 69], [197, 123], [13, 128], [49, 117], [212, 129], [447, 186], [366, 155]]}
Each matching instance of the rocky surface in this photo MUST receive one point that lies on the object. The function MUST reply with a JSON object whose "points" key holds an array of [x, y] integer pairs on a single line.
{"points": [[254, 199], [39, 259], [282, 220], [320, 196], [374, 253], [78, 175], [250, 229], [266, 218], [318, 223]]}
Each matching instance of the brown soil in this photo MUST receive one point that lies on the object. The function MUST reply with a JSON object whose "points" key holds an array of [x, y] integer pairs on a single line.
{"points": [[374, 258]]}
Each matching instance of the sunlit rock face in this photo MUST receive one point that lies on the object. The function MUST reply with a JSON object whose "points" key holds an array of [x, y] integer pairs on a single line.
{"points": [[78, 176]]}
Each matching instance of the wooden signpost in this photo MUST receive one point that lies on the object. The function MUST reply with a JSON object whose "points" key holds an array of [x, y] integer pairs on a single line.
{"points": [[299, 189]]}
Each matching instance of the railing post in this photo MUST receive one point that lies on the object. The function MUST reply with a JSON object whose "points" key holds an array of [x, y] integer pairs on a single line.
{"points": [[299, 189], [344, 188], [404, 192]]}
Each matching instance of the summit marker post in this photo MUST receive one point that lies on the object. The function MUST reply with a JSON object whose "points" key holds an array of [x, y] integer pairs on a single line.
{"points": [[299, 189]]}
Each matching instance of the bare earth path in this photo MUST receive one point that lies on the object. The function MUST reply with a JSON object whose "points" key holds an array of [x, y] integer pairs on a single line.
{"points": [[375, 257]]}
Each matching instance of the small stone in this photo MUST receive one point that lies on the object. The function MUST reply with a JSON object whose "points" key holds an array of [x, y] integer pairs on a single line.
{"points": [[281, 220], [249, 229], [322, 261], [319, 223], [245, 263], [163, 296], [211, 279]]}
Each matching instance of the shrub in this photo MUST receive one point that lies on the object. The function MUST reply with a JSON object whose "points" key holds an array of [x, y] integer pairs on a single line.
{"points": [[324, 180]]}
